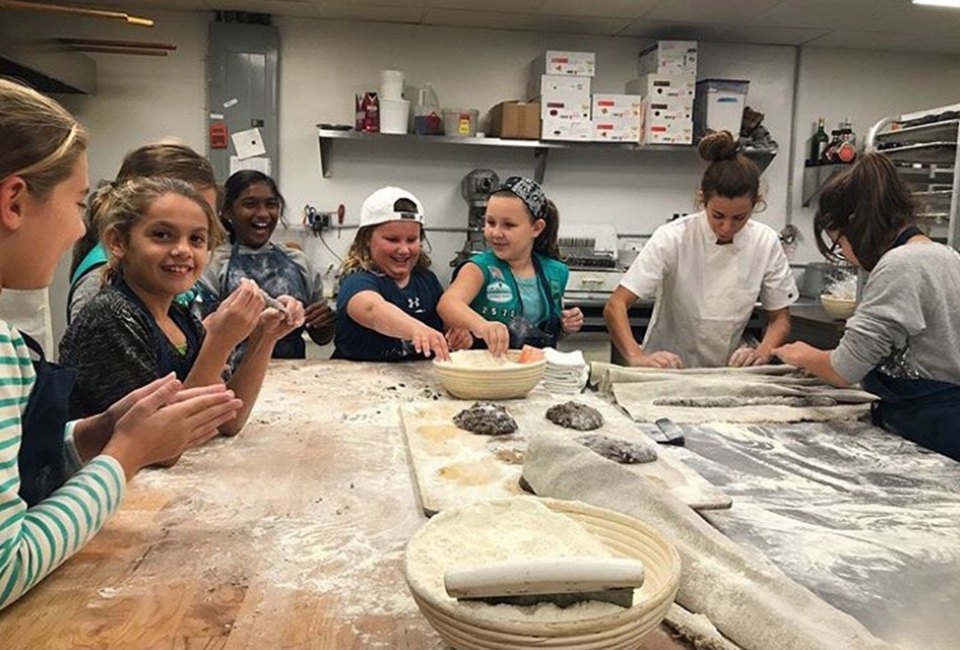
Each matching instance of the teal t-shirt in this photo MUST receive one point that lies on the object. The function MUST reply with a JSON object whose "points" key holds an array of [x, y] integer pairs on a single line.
{"points": [[501, 298], [533, 305]]}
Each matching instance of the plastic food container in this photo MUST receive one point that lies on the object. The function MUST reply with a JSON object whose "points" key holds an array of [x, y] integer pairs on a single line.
{"points": [[460, 122]]}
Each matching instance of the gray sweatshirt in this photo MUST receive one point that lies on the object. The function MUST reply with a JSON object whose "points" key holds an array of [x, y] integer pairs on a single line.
{"points": [[908, 323]]}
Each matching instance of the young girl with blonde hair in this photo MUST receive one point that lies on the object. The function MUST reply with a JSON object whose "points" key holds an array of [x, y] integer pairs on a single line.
{"points": [[60, 481], [387, 304]]}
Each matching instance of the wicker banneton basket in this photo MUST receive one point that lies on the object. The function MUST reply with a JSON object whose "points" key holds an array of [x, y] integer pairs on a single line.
{"points": [[474, 374], [624, 536]]}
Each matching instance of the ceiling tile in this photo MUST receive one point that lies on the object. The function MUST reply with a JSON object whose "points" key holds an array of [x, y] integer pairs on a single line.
{"points": [[656, 29], [827, 14], [505, 6], [598, 8], [903, 17], [369, 12], [772, 35], [524, 22], [720, 12], [936, 45], [862, 40]]}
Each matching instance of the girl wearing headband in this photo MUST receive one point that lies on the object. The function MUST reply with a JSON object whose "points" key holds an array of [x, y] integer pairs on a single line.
{"points": [[706, 272], [512, 294]]}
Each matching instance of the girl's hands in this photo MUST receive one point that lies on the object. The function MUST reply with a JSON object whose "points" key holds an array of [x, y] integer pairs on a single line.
{"points": [[238, 315], [319, 316], [427, 341], [495, 335], [571, 320], [459, 339], [164, 421], [274, 324], [748, 356]]}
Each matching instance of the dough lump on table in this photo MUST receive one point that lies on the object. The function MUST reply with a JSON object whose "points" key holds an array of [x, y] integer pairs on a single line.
{"points": [[574, 415], [620, 451], [486, 418]]}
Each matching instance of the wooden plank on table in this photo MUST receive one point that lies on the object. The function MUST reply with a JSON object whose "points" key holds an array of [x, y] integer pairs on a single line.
{"points": [[453, 467]]}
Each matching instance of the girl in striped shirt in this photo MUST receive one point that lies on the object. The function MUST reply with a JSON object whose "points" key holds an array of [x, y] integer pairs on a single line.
{"points": [[59, 480]]}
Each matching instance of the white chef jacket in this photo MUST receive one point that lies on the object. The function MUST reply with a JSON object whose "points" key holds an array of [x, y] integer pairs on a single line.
{"points": [[706, 292]]}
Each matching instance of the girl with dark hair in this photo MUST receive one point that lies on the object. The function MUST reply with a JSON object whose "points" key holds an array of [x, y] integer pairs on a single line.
{"points": [[706, 272], [512, 295], [252, 207], [903, 341]]}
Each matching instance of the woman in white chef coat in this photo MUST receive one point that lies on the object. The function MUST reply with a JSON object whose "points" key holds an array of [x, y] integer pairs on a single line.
{"points": [[706, 272]]}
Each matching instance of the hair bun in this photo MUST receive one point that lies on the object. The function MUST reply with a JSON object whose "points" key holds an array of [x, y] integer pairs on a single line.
{"points": [[717, 145]]}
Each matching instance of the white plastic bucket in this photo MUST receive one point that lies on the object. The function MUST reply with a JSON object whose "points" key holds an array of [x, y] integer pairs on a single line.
{"points": [[460, 122], [391, 84], [394, 115]]}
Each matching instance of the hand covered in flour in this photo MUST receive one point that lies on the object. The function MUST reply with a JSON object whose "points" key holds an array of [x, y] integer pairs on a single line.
{"points": [[658, 359], [428, 341], [796, 354], [163, 420], [571, 320], [495, 335], [748, 356], [274, 324], [237, 315], [459, 339]]}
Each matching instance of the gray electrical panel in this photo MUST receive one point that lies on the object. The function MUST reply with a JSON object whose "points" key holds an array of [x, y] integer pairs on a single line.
{"points": [[242, 64]]}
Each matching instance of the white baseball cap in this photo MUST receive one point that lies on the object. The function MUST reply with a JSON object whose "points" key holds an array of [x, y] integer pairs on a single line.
{"points": [[380, 207]]}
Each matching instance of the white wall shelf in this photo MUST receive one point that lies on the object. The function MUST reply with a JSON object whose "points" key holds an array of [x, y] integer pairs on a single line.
{"points": [[927, 156], [540, 147]]}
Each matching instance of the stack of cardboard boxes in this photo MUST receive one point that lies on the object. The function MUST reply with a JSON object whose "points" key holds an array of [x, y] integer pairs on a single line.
{"points": [[667, 82], [560, 81]]}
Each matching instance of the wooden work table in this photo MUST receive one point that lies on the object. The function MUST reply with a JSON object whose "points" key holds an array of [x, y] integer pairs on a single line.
{"points": [[290, 535]]}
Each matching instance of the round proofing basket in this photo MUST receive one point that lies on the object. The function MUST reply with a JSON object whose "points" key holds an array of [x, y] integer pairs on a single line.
{"points": [[838, 307], [494, 382], [625, 537]]}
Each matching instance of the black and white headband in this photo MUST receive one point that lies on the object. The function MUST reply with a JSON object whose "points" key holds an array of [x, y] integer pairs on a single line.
{"points": [[529, 192]]}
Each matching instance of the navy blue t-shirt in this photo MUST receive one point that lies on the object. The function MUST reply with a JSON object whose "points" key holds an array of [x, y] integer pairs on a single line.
{"points": [[418, 299]]}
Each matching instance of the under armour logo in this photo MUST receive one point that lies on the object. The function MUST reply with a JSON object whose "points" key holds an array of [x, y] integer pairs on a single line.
{"points": [[413, 303]]}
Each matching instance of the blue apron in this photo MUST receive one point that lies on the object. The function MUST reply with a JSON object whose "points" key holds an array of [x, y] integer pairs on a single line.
{"points": [[168, 361], [925, 411], [278, 275], [41, 461]]}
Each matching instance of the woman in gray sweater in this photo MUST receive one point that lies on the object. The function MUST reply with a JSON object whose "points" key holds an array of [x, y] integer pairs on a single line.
{"points": [[903, 341]]}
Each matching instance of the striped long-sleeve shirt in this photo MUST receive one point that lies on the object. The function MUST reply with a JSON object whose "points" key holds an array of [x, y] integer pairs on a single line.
{"points": [[35, 541]]}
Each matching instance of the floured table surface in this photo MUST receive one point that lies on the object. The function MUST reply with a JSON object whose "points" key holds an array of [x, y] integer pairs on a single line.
{"points": [[454, 467], [290, 535], [867, 520]]}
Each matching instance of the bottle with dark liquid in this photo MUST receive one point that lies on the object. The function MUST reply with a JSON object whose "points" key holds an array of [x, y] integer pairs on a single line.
{"points": [[817, 144]]}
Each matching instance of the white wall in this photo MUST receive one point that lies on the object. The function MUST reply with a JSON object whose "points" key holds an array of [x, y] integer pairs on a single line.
{"points": [[865, 86], [323, 63]]}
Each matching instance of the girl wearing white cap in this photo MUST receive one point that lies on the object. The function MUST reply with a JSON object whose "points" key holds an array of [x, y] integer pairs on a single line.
{"points": [[706, 272], [387, 305]]}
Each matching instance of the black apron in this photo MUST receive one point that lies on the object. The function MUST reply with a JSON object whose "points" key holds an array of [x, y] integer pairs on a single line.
{"points": [[544, 334], [278, 275], [168, 360], [41, 460], [925, 411]]}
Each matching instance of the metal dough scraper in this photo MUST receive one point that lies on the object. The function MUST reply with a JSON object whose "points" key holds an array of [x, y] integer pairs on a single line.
{"points": [[562, 581]]}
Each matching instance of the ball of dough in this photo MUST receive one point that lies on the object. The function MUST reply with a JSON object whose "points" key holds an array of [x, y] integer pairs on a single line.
{"points": [[574, 415]]}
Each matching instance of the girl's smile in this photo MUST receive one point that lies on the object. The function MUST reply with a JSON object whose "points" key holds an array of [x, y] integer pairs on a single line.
{"points": [[254, 215]]}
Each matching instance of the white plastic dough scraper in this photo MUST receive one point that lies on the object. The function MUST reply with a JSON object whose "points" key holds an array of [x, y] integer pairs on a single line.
{"points": [[562, 581]]}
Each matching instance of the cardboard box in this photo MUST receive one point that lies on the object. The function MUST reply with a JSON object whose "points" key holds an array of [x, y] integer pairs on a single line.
{"points": [[565, 104], [663, 87], [616, 106], [671, 58], [657, 113], [573, 130], [546, 84], [617, 130], [666, 137], [563, 62], [518, 120]]}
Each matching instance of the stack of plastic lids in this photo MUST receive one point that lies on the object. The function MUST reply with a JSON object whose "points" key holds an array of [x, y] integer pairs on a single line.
{"points": [[566, 372]]}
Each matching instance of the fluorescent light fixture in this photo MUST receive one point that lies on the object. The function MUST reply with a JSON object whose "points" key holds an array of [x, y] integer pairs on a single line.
{"points": [[955, 4]]}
